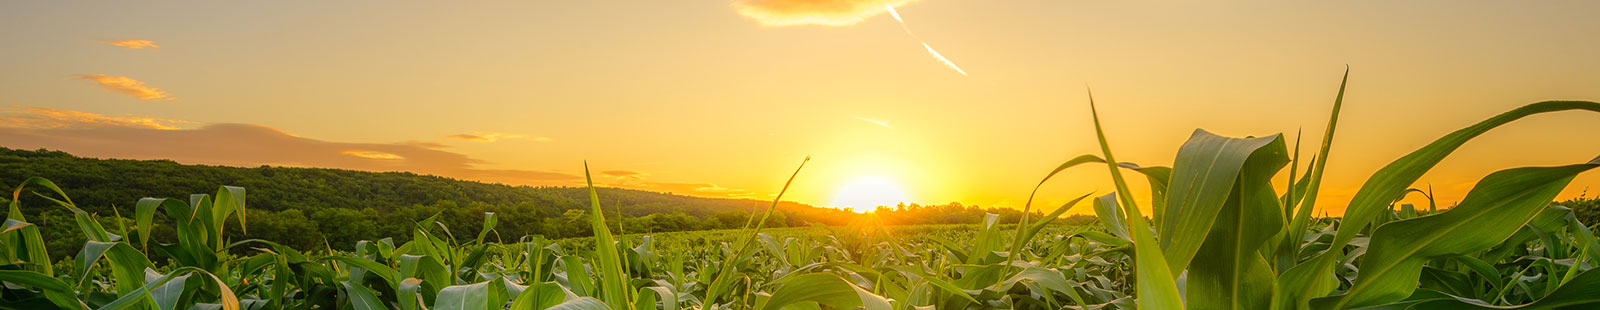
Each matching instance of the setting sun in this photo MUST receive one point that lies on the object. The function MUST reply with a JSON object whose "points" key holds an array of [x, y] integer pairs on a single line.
{"points": [[864, 194]]}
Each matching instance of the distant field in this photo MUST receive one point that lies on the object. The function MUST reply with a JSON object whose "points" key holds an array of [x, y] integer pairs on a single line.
{"points": [[908, 234]]}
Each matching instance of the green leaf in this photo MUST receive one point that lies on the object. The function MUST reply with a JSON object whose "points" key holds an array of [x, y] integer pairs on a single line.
{"points": [[1233, 274], [1583, 292], [59, 293], [389, 275], [408, 294], [361, 297], [540, 296], [1155, 285], [612, 284], [488, 225], [1586, 240], [1203, 177], [464, 297], [584, 303], [229, 199], [826, 289], [26, 242], [227, 300], [1393, 179], [127, 264], [1308, 280], [1494, 209], [167, 295], [725, 274], [1157, 176], [666, 294]]}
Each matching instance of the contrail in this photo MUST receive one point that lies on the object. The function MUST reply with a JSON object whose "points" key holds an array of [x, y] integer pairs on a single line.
{"points": [[885, 124], [935, 54]]}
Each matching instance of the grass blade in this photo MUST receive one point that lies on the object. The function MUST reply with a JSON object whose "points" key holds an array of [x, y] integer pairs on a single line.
{"points": [[1156, 288], [613, 283]]}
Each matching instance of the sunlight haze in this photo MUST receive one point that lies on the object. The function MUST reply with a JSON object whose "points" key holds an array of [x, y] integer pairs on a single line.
{"points": [[720, 99]]}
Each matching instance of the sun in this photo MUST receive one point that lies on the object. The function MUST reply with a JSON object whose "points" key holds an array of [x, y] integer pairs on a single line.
{"points": [[864, 194]]}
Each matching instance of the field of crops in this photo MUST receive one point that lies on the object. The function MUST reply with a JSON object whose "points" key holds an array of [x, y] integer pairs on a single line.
{"points": [[1219, 236]]}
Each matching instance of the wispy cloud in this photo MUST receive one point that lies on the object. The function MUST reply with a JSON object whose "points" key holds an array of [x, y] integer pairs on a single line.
{"points": [[486, 136], [624, 174], [132, 44], [640, 180], [698, 189], [885, 124], [813, 12], [125, 85], [245, 145], [372, 154], [20, 116]]}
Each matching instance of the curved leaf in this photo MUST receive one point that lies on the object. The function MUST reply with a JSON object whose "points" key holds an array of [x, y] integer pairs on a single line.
{"points": [[1155, 285], [1491, 212], [59, 293], [361, 297], [824, 288]]}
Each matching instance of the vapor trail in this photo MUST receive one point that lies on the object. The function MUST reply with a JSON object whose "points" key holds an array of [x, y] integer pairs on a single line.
{"points": [[932, 52]]}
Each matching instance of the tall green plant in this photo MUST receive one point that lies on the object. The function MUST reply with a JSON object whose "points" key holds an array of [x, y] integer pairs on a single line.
{"points": [[1222, 223]]}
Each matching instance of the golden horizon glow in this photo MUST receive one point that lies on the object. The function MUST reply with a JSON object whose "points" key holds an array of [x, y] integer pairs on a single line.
{"points": [[864, 194], [723, 98]]}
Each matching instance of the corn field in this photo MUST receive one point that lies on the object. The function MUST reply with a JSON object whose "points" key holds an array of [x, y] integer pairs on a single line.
{"points": [[1219, 236]]}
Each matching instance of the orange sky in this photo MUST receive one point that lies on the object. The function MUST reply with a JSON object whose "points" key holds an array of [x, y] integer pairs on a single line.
{"points": [[724, 98]]}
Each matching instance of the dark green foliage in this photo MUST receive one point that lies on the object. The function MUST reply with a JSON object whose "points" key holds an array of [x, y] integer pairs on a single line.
{"points": [[1586, 208]]}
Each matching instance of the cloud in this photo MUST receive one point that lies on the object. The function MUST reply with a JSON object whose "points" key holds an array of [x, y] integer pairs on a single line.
{"points": [[372, 154], [126, 86], [637, 180], [244, 145], [698, 189], [485, 136], [624, 174], [132, 44], [426, 144], [45, 118], [813, 12]]}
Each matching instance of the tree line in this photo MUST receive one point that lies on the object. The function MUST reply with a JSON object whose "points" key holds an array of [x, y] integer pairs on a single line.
{"points": [[315, 208]]}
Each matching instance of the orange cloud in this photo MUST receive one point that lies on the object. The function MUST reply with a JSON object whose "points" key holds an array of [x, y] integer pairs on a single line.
{"points": [[126, 86], [485, 136], [371, 154], [813, 12], [46, 118], [624, 174], [132, 44]]}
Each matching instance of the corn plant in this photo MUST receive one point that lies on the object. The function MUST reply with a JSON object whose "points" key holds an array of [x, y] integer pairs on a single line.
{"points": [[1222, 238]]}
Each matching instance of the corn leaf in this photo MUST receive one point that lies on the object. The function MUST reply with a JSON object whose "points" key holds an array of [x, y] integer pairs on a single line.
{"points": [[1156, 287], [1494, 209]]}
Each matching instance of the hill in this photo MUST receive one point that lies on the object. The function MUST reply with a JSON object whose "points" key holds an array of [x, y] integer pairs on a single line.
{"points": [[305, 207]]}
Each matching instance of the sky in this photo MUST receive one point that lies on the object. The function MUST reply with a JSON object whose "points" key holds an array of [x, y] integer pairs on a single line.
{"points": [[725, 98]]}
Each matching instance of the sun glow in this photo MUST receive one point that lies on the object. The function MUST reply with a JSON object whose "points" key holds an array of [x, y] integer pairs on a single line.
{"points": [[864, 194]]}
